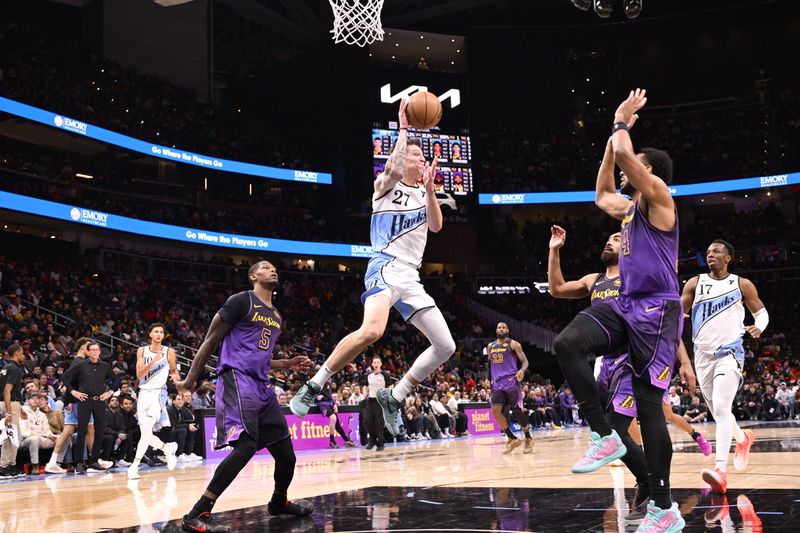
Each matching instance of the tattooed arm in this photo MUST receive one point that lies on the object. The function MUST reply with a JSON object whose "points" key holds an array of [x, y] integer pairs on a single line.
{"points": [[396, 164]]}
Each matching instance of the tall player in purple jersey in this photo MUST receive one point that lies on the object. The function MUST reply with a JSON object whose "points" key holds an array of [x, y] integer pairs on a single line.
{"points": [[646, 317], [248, 415], [507, 364], [614, 380]]}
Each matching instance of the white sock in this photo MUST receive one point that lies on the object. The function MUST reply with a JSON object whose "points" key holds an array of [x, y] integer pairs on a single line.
{"points": [[322, 375], [725, 388], [738, 434], [402, 389]]}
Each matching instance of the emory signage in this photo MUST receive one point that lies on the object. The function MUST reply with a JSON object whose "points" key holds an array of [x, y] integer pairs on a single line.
{"points": [[163, 152], [692, 189], [82, 215]]}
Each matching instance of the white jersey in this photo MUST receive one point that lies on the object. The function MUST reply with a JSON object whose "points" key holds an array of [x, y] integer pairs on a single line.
{"points": [[157, 377], [399, 225], [717, 312]]}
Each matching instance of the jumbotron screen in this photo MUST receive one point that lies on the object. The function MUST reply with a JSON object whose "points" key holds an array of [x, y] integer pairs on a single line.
{"points": [[454, 173]]}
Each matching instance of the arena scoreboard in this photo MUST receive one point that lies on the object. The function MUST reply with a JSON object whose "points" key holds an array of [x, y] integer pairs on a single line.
{"points": [[454, 173]]}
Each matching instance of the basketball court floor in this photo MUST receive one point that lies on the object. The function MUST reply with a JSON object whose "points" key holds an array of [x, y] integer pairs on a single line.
{"points": [[462, 484]]}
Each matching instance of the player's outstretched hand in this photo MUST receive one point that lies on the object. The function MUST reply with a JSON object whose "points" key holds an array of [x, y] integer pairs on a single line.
{"points": [[753, 331], [401, 115], [429, 173], [558, 237], [626, 111], [301, 362], [688, 377]]}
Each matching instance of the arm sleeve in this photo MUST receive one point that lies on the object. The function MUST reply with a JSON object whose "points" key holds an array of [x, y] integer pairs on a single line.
{"points": [[235, 308]]}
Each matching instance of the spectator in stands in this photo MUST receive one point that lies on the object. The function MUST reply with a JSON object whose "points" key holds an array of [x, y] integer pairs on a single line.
{"points": [[202, 399], [35, 433], [770, 408], [442, 416], [356, 397], [785, 398], [184, 429], [697, 411], [114, 434], [752, 404], [128, 437]]}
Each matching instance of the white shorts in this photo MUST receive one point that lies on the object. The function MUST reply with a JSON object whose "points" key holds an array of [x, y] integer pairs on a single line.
{"points": [[708, 367], [151, 407], [400, 282]]}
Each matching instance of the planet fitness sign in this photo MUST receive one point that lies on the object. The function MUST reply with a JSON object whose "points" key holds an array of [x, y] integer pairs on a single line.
{"points": [[309, 433], [481, 422]]}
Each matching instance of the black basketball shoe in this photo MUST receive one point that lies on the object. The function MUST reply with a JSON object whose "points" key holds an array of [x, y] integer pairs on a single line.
{"points": [[202, 524], [295, 508]]}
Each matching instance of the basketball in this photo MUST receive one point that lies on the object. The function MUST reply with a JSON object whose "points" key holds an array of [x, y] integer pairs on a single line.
{"points": [[424, 110]]}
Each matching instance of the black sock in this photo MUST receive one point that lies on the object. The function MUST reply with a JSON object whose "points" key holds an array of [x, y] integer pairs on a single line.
{"points": [[642, 492], [659, 491], [340, 430], [656, 439], [203, 505], [333, 441], [510, 434], [527, 431], [694, 435], [278, 499]]}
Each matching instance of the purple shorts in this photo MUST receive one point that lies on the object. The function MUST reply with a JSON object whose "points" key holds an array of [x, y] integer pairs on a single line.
{"points": [[649, 328], [615, 387], [248, 404], [326, 409], [507, 391]]}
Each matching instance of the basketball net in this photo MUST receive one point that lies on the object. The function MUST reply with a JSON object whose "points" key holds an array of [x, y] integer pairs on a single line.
{"points": [[357, 21]]}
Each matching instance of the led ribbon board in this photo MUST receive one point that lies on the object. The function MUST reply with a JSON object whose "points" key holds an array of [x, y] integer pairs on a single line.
{"points": [[35, 114], [82, 215], [693, 189]]}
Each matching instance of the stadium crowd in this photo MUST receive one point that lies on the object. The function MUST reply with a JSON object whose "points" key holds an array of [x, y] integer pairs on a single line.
{"points": [[48, 68], [708, 141], [48, 306]]}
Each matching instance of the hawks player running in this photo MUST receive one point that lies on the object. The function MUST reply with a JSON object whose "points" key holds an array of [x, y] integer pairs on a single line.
{"points": [[717, 301], [504, 356], [154, 363], [402, 213]]}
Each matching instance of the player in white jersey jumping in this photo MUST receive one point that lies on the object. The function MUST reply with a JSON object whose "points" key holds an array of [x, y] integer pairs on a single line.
{"points": [[154, 364], [402, 213], [717, 301]]}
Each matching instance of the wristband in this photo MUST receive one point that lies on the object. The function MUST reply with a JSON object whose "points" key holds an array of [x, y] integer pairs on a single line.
{"points": [[619, 126], [761, 318]]}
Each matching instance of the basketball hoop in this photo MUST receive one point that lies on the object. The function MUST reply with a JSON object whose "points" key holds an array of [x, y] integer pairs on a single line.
{"points": [[357, 21]]}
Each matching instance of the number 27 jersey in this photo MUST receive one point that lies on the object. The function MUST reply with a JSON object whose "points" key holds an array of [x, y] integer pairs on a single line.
{"points": [[399, 225]]}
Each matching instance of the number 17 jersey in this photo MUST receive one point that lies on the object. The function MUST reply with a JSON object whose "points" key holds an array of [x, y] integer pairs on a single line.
{"points": [[399, 226]]}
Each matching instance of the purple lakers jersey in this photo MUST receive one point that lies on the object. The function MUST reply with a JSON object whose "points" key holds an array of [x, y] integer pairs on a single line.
{"points": [[648, 259], [502, 359], [605, 288], [256, 328]]}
